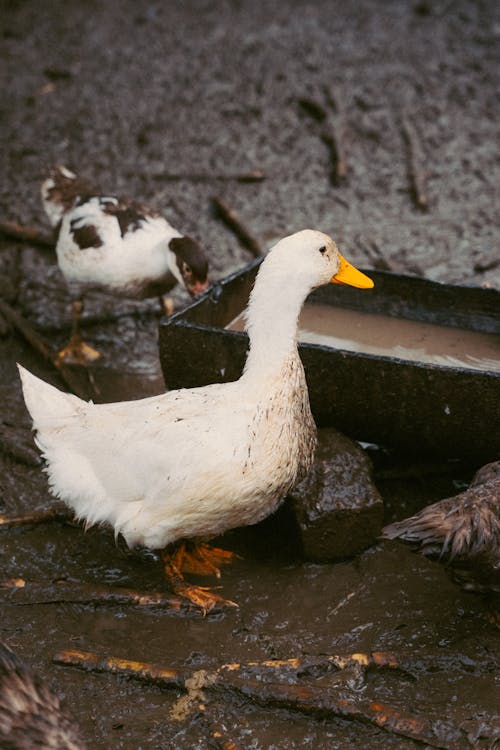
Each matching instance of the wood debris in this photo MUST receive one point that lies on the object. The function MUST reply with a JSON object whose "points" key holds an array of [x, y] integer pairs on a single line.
{"points": [[28, 593], [80, 386], [416, 171], [15, 231], [35, 517], [255, 175], [329, 114], [232, 220], [283, 684]]}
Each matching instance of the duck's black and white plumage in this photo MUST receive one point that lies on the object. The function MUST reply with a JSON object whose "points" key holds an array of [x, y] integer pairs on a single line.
{"points": [[116, 244], [462, 531], [31, 715]]}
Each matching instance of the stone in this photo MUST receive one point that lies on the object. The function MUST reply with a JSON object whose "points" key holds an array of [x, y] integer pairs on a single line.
{"points": [[338, 509]]}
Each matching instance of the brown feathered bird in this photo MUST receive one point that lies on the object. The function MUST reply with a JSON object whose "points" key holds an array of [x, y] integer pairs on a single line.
{"points": [[462, 531], [115, 245], [31, 716]]}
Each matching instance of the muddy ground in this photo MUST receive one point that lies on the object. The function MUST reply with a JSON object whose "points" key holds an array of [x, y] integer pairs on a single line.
{"points": [[136, 94]]}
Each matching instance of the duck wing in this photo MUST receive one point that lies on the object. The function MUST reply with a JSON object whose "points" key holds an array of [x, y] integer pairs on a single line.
{"points": [[110, 462], [97, 221]]}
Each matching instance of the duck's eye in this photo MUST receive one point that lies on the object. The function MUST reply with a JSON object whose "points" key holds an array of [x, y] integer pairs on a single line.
{"points": [[322, 249]]}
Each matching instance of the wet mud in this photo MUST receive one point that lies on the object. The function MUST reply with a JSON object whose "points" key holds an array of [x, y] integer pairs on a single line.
{"points": [[129, 98]]}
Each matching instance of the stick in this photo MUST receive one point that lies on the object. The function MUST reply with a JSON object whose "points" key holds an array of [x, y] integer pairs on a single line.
{"points": [[313, 108], [486, 265], [26, 234], [311, 700], [416, 175], [168, 677], [332, 136], [44, 515], [331, 133], [29, 593], [231, 219], [44, 350], [254, 176], [322, 703], [137, 670]]}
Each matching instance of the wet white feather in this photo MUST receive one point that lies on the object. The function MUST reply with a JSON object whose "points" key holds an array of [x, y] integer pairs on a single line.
{"points": [[196, 462]]}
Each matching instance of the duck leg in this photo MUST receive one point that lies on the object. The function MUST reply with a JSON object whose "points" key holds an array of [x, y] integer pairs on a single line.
{"points": [[199, 559], [167, 305], [77, 351]]}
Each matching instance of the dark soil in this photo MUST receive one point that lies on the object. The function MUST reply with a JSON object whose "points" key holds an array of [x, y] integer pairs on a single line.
{"points": [[131, 93]]}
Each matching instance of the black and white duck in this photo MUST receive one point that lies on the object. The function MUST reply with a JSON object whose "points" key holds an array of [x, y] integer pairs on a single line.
{"points": [[116, 245]]}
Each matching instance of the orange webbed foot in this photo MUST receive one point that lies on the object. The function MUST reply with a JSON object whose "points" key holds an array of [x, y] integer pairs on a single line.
{"points": [[199, 559], [77, 352], [202, 559]]}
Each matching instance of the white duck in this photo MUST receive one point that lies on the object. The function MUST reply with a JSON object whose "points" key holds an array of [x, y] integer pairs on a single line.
{"points": [[193, 463], [116, 245]]}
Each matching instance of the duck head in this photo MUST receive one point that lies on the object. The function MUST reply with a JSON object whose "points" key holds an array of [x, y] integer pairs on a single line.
{"points": [[191, 264], [313, 259], [60, 191]]}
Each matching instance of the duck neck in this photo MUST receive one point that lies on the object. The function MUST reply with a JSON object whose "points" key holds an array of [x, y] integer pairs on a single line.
{"points": [[271, 322]]}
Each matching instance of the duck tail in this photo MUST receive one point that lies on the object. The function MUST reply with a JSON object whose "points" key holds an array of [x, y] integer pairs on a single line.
{"points": [[47, 405]]}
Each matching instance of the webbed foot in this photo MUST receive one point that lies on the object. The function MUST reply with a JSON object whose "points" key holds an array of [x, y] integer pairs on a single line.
{"points": [[77, 352], [199, 559]]}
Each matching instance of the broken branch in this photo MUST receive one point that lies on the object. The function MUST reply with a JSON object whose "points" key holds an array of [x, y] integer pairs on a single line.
{"points": [[232, 220], [28, 593], [253, 176], [486, 265], [44, 515], [331, 134], [45, 351], [316, 701], [26, 234], [416, 174]]}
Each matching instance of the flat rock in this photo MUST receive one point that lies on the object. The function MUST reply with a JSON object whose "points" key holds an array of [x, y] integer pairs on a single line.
{"points": [[338, 509]]}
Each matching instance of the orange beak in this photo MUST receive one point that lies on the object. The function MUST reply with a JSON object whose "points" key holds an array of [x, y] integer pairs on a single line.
{"points": [[349, 275]]}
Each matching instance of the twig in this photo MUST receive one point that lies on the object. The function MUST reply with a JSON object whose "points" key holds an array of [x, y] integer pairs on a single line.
{"points": [[26, 234], [344, 601], [321, 702], [231, 219], [218, 735], [254, 176], [168, 677], [313, 108], [486, 265], [154, 674], [331, 133], [44, 350], [44, 515], [28, 593], [415, 156]]}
